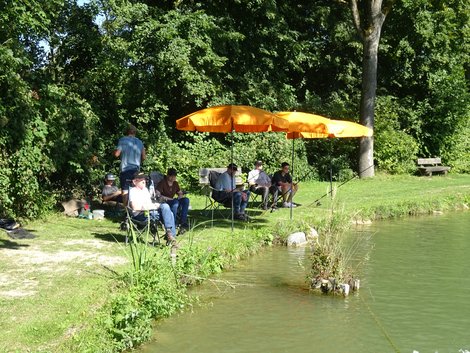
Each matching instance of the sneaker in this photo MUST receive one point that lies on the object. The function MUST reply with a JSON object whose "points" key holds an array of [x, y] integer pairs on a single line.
{"points": [[240, 216], [289, 205], [181, 231]]}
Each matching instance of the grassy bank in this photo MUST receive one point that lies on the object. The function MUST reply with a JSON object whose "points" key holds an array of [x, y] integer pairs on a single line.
{"points": [[67, 289]]}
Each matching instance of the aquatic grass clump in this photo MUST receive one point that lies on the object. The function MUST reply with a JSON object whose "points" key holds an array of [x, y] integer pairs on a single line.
{"points": [[331, 269], [156, 294]]}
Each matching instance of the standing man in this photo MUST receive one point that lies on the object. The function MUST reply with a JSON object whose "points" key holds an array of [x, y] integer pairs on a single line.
{"points": [[168, 188], [283, 181], [226, 189], [260, 183], [132, 153]]}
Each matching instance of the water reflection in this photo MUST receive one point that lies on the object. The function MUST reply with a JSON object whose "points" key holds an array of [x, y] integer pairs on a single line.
{"points": [[414, 296]]}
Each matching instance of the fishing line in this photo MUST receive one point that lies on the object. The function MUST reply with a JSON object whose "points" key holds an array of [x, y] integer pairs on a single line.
{"points": [[381, 327], [317, 201]]}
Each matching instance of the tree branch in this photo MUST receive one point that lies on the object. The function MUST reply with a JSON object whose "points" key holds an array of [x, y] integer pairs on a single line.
{"points": [[388, 6], [356, 18]]}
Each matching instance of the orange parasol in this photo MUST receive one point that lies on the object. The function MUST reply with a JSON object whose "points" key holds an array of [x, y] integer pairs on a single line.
{"points": [[232, 118], [300, 122], [228, 118], [336, 128]]}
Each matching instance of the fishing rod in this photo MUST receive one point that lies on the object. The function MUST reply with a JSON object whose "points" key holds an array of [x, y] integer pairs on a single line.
{"points": [[317, 201], [273, 206]]}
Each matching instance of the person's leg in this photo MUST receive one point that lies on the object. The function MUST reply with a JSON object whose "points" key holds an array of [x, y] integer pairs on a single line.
{"points": [[285, 192], [244, 202], [264, 192], [237, 200], [184, 207], [292, 193], [167, 217], [174, 204], [125, 179], [274, 190]]}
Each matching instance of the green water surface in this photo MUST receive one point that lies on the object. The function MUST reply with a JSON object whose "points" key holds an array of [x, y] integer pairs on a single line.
{"points": [[414, 297]]}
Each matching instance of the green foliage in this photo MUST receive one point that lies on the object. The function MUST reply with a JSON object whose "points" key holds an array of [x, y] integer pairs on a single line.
{"points": [[456, 150], [149, 63], [155, 295], [272, 149], [396, 152], [395, 149], [197, 150]]}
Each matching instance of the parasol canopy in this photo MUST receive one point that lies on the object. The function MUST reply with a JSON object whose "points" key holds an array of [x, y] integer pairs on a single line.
{"points": [[335, 128], [300, 122], [228, 118]]}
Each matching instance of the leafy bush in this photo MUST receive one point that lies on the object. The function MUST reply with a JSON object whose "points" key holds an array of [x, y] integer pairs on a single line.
{"points": [[456, 150], [395, 151]]}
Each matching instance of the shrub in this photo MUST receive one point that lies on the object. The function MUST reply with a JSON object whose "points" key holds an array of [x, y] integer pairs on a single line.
{"points": [[395, 151]]}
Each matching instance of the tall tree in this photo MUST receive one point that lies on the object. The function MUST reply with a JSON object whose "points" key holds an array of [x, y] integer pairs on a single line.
{"points": [[368, 17]]}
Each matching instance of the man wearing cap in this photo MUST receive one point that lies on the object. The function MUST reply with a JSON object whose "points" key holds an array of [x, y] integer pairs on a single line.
{"points": [[260, 183], [110, 191], [168, 188], [140, 200], [226, 190], [132, 153]]}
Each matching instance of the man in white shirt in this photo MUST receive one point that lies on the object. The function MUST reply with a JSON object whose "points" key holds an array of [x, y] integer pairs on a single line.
{"points": [[140, 200], [226, 189], [260, 183]]}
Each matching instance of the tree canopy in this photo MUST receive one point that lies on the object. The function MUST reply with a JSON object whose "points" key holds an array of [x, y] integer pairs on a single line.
{"points": [[73, 76]]}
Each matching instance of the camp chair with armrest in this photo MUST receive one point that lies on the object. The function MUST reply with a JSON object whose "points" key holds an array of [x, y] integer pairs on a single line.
{"points": [[137, 226]]}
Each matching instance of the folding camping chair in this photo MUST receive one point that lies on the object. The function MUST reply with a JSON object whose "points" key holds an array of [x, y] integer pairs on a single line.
{"points": [[138, 229], [207, 181], [138, 226]]}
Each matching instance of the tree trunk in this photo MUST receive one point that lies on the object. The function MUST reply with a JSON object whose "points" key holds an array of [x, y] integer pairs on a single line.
{"points": [[368, 17], [367, 107]]}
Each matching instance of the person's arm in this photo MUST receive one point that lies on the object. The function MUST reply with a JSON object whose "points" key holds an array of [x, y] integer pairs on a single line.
{"points": [[179, 192], [251, 178], [276, 180], [111, 196], [117, 153], [143, 154]]}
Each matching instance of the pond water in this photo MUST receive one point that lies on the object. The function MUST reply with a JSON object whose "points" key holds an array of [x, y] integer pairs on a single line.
{"points": [[414, 296]]}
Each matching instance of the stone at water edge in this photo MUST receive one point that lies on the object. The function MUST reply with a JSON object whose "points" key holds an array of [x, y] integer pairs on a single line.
{"points": [[297, 239], [312, 234]]}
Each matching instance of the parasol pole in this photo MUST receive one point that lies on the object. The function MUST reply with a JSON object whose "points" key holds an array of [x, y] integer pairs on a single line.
{"points": [[292, 179], [231, 161]]}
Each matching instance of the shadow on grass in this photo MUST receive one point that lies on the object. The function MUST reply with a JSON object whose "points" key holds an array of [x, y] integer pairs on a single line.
{"points": [[13, 245], [113, 237]]}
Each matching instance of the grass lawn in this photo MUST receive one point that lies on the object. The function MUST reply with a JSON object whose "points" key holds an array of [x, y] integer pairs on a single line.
{"points": [[53, 285]]}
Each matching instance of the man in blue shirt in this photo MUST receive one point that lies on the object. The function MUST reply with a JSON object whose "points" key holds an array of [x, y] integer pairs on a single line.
{"points": [[226, 189], [132, 153]]}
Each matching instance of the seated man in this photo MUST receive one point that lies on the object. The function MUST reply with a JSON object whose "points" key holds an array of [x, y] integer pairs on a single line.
{"points": [[226, 189], [260, 183], [110, 191], [283, 181], [140, 200], [168, 188]]}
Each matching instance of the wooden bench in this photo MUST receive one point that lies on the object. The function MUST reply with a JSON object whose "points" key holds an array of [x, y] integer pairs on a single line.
{"points": [[427, 166]]}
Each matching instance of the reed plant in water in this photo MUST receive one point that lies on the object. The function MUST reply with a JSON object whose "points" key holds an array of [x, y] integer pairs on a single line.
{"points": [[331, 269]]}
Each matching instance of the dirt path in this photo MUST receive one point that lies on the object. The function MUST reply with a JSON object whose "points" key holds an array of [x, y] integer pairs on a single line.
{"points": [[25, 266]]}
